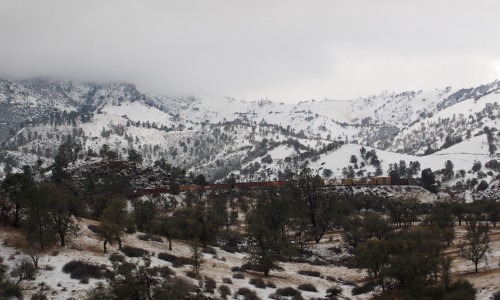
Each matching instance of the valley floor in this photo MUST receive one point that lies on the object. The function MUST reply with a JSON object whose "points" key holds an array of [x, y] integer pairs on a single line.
{"points": [[87, 247]]}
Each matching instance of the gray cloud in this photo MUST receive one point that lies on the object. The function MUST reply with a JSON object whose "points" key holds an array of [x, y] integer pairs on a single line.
{"points": [[282, 50]]}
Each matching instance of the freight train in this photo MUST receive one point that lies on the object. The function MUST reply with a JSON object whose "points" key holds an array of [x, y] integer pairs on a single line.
{"points": [[369, 181], [374, 181]]}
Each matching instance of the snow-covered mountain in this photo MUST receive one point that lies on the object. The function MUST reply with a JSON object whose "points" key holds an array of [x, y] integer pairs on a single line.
{"points": [[255, 140]]}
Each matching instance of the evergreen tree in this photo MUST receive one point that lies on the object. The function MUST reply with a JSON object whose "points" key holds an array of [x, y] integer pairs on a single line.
{"points": [[135, 156], [267, 232], [113, 220], [39, 228], [17, 188], [312, 203], [448, 170], [429, 180], [63, 207]]}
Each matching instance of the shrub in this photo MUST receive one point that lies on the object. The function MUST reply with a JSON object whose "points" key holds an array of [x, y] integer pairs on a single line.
{"points": [[309, 287], [150, 237], [191, 274], [250, 266], [258, 283], [131, 251], [209, 250], [210, 285], [79, 269], [236, 269], [318, 262], [84, 280], [166, 272], [115, 257], [177, 261], [227, 280], [247, 293], [271, 284], [39, 296], [23, 270], [287, 292], [239, 276], [224, 291], [495, 296], [365, 288], [461, 289], [48, 268], [9, 289], [95, 229], [230, 249], [333, 291], [309, 273]]}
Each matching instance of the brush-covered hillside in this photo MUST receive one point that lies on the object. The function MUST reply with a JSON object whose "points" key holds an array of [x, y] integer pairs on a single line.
{"points": [[258, 140]]}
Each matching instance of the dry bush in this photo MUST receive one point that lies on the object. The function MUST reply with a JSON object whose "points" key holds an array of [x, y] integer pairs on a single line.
{"points": [[209, 285], [333, 291], [177, 261], [95, 229], [209, 250], [48, 267], [166, 272], [224, 291], [309, 287], [23, 270], [288, 292], [131, 251], [230, 249], [365, 288], [150, 237], [247, 293], [80, 269], [191, 274], [309, 273], [258, 283], [115, 257], [239, 276]]}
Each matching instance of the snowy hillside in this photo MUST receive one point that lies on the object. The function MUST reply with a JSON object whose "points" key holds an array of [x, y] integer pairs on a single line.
{"points": [[256, 140]]}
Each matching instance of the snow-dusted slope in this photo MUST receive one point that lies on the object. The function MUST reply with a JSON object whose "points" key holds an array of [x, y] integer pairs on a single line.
{"points": [[222, 135]]}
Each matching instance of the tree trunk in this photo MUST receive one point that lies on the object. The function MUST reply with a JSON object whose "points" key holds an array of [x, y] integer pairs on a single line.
{"points": [[40, 234], [119, 243], [16, 217], [169, 242], [63, 241], [105, 242]]}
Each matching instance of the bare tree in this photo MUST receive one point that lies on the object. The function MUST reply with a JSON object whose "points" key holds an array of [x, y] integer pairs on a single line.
{"points": [[34, 253], [476, 244], [23, 270]]}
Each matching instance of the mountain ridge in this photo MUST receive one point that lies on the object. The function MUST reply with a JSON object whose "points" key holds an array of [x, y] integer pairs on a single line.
{"points": [[222, 135]]}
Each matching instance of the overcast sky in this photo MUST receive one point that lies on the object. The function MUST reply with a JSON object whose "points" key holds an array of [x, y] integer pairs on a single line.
{"points": [[281, 50]]}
